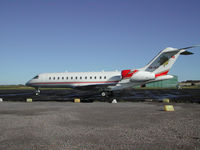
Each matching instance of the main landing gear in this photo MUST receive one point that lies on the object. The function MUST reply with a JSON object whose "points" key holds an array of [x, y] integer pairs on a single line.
{"points": [[106, 93]]}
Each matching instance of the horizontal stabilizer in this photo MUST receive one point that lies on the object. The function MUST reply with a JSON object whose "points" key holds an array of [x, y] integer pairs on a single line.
{"points": [[189, 47], [187, 53]]}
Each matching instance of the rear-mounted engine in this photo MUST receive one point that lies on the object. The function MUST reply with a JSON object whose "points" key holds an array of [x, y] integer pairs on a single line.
{"points": [[137, 75], [143, 76]]}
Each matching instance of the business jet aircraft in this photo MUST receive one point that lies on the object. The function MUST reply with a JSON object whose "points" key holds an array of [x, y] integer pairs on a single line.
{"points": [[155, 70]]}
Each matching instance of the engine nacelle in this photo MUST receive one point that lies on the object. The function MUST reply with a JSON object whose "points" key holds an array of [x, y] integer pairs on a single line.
{"points": [[143, 76]]}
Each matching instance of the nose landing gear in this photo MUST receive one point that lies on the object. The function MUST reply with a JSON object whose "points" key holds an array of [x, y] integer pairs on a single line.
{"points": [[37, 92]]}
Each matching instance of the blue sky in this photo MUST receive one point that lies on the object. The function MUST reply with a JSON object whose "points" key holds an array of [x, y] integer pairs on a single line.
{"points": [[93, 35]]}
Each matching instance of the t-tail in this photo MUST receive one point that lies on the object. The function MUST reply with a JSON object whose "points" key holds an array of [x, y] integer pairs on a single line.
{"points": [[155, 70], [163, 62]]}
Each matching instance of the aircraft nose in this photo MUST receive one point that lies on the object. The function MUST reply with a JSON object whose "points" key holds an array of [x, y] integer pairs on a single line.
{"points": [[28, 83]]}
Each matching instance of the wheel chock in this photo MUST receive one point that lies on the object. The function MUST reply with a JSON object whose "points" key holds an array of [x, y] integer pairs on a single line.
{"points": [[29, 100], [168, 108], [114, 101], [77, 100]]}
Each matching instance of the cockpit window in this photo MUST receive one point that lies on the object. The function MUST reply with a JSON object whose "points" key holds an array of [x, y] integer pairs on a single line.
{"points": [[36, 77]]}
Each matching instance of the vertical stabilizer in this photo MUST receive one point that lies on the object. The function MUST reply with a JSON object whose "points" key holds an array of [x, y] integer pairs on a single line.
{"points": [[163, 62]]}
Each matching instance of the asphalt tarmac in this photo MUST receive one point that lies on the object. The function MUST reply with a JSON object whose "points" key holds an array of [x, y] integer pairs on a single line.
{"points": [[99, 126], [183, 95]]}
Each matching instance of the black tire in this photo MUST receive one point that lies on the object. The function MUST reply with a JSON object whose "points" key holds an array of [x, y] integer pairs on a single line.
{"points": [[103, 94]]}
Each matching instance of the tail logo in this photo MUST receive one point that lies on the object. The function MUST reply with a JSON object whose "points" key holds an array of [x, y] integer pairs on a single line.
{"points": [[164, 61]]}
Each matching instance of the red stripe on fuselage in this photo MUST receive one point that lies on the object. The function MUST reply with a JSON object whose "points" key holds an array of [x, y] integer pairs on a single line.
{"points": [[162, 73], [130, 74], [74, 82]]}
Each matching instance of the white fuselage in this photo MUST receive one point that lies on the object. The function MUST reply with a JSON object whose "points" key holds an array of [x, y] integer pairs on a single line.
{"points": [[75, 79], [155, 70]]}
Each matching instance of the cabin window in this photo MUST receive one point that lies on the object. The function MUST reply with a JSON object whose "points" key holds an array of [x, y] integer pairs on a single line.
{"points": [[54, 78], [104, 77], [66, 78], [80, 77], [58, 78], [49, 78], [100, 77], [90, 77], [71, 77], [85, 77], [95, 77], [63, 78], [76, 78]]}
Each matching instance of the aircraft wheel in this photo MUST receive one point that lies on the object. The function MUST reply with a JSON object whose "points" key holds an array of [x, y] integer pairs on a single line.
{"points": [[106, 93], [103, 93]]}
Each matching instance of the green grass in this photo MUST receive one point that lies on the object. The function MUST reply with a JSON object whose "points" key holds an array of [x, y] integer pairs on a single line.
{"points": [[23, 87], [15, 87], [191, 87], [160, 88]]}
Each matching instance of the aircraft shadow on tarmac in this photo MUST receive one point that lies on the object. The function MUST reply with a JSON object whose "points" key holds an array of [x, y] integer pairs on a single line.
{"points": [[184, 95]]}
